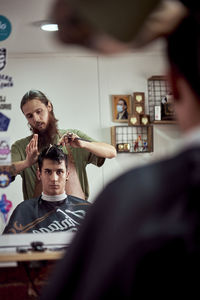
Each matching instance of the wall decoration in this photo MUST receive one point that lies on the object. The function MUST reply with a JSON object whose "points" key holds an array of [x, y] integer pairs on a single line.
{"points": [[138, 103], [167, 107], [5, 154], [3, 104], [121, 108], [4, 122], [145, 120], [2, 58], [5, 207], [138, 108], [123, 147], [5, 28], [134, 119], [159, 95], [157, 112], [5, 179], [138, 97], [5, 81], [139, 138]]}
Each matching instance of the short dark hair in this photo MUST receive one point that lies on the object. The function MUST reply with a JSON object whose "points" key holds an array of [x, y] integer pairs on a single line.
{"points": [[183, 47], [53, 152]]}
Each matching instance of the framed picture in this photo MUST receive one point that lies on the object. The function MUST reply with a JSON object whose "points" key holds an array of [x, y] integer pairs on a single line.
{"points": [[121, 108]]}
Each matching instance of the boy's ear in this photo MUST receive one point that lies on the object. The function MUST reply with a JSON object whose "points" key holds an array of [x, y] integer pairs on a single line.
{"points": [[67, 175], [38, 174]]}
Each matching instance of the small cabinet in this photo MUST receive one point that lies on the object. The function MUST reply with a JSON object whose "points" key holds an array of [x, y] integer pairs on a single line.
{"points": [[159, 95], [132, 139]]}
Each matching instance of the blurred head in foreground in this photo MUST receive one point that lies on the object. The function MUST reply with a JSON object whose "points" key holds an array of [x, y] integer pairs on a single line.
{"points": [[183, 49], [146, 242], [115, 26]]}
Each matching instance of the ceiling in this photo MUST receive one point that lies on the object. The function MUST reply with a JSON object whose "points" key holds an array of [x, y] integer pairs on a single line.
{"points": [[25, 36], [29, 38]]}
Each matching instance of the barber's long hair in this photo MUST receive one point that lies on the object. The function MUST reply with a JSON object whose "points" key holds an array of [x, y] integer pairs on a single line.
{"points": [[184, 50]]}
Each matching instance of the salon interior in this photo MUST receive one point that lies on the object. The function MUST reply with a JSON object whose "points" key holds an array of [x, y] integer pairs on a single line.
{"points": [[81, 84]]}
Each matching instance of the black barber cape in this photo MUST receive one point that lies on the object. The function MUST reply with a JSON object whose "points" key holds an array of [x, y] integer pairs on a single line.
{"points": [[40, 216]]}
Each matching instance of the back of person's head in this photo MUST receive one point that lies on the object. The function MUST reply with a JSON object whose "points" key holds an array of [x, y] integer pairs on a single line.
{"points": [[54, 153], [184, 50]]}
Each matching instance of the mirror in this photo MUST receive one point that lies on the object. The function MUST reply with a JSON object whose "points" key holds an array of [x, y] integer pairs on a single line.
{"points": [[77, 82]]}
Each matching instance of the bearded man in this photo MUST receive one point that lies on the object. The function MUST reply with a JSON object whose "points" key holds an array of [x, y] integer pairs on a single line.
{"points": [[80, 148]]}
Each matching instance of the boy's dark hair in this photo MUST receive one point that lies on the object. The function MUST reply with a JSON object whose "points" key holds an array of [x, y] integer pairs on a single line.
{"points": [[53, 152], [183, 47]]}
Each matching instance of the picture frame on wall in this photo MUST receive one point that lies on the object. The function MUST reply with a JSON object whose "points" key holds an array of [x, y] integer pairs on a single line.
{"points": [[121, 108]]}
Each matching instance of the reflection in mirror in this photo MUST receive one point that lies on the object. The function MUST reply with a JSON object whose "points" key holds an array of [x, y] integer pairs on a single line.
{"points": [[53, 210], [47, 207], [78, 83]]}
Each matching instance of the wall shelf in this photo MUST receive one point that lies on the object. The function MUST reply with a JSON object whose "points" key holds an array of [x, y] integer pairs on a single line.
{"points": [[132, 139], [164, 122], [158, 88]]}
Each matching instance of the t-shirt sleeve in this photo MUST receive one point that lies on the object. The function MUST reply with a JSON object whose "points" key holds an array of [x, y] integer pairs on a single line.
{"points": [[92, 159], [15, 153], [96, 160], [15, 156]]}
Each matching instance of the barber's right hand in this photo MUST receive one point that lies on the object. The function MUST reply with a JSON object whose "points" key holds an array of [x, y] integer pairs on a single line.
{"points": [[32, 151]]}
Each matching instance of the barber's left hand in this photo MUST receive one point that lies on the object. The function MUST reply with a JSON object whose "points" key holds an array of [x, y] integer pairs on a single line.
{"points": [[71, 139], [32, 151]]}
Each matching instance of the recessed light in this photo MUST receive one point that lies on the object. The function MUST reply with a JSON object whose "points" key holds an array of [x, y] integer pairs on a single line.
{"points": [[49, 27]]}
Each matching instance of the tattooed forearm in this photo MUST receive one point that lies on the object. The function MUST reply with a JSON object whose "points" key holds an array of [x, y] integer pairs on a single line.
{"points": [[11, 169]]}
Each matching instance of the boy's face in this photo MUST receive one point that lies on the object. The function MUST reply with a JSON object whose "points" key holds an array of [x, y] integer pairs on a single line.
{"points": [[53, 176]]}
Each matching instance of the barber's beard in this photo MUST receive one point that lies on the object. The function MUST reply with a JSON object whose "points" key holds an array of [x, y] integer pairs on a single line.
{"points": [[46, 137]]}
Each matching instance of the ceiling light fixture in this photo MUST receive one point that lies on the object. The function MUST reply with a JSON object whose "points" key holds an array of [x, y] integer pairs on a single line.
{"points": [[49, 27]]}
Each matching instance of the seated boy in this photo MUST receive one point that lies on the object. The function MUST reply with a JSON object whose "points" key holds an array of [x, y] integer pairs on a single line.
{"points": [[53, 210]]}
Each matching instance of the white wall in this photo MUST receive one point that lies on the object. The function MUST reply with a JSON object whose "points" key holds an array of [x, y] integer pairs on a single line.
{"points": [[80, 88]]}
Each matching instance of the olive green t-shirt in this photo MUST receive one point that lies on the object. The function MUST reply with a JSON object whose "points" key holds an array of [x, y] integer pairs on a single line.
{"points": [[81, 157]]}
